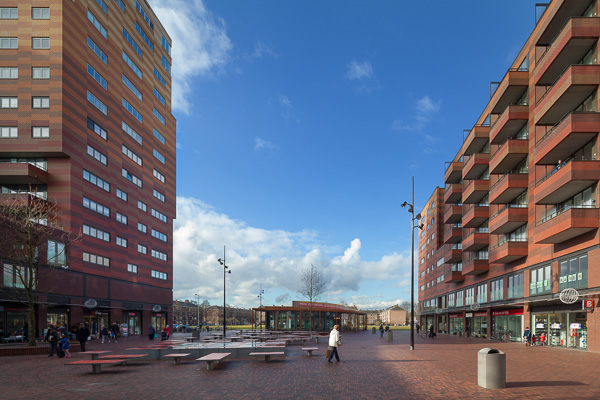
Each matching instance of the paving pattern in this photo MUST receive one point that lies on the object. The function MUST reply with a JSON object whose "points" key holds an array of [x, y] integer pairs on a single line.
{"points": [[370, 368]]}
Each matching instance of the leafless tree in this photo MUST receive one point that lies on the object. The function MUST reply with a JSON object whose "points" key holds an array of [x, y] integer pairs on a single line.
{"points": [[31, 239], [312, 286]]}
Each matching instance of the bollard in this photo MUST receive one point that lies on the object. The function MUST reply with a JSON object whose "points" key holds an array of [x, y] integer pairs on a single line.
{"points": [[374, 330], [390, 336], [491, 368]]}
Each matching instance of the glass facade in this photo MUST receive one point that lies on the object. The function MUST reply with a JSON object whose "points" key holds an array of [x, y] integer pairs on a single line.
{"points": [[302, 320], [456, 325], [566, 329]]}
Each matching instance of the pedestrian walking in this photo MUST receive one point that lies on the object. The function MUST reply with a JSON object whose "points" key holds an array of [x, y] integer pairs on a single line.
{"points": [[52, 338], [168, 331], [64, 345], [83, 333], [387, 327], [151, 332], [334, 343], [381, 330], [105, 334], [114, 329], [527, 337], [418, 328], [431, 332]]}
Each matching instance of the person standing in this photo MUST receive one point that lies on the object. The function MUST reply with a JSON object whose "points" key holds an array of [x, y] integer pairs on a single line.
{"points": [[105, 335], [431, 332], [52, 338], [115, 331], [418, 328], [381, 330], [82, 335], [64, 345], [151, 332], [334, 342], [527, 337], [168, 331]]}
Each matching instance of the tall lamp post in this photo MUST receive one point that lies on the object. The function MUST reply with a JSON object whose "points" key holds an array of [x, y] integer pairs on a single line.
{"points": [[226, 270], [198, 309], [411, 209], [260, 293]]}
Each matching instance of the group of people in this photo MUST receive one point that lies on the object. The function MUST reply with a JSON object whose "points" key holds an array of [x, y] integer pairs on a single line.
{"points": [[152, 334], [530, 339], [113, 333], [381, 329], [58, 338]]}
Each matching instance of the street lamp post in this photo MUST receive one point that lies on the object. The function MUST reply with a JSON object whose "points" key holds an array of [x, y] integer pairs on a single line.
{"points": [[226, 270], [411, 209], [260, 293], [198, 310]]}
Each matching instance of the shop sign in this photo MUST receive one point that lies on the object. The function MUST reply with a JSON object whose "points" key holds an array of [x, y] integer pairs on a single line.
{"points": [[131, 313], [555, 326], [159, 315], [575, 326], [455, 316], [588, 304], [469, 315], [540, 326], [480, 314], [507, 312]]}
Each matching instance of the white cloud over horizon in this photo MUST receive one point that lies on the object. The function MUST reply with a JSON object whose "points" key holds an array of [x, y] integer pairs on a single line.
{"points": [[271, 258], [426, 109], [201, 45], [359, 70]]}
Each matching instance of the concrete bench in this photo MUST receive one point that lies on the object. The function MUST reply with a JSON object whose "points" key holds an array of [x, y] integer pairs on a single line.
{"points": [[96, 364], [309, 350], [176, 357], [95, 354], [267, 355], [123, 357], [213, 359]]}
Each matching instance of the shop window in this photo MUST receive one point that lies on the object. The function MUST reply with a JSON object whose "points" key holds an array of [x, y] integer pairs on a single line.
{"points": [[496, 290], [573, 273], [540, 281]]}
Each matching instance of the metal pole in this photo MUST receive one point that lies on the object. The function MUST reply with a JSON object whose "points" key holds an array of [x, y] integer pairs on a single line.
{"points": [[198, 309], [224, 306], [412, 270]]}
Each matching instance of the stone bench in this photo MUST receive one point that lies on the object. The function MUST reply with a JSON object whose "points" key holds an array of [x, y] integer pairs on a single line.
{"points": [[213, 359], [176, 357], [267, 355], [96, 364], [123, 357], [309, 350]]}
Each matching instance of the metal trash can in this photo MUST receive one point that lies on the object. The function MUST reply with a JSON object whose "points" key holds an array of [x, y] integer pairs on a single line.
{"points": [[374, 330], [491, 368], [390, 336]]}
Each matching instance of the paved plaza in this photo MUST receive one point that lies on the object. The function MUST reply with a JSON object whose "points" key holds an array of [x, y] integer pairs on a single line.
{"points": [[370, 368]]}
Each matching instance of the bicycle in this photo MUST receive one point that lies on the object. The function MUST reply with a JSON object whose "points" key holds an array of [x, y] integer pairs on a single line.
{"points": [[424, 335]]}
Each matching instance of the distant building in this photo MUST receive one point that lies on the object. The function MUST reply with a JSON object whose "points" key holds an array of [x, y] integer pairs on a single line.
{"points": [[394, 315]]}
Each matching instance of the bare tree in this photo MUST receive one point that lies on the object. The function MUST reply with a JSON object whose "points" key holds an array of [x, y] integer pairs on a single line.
{"points": [[312, 286], [31, 238]]}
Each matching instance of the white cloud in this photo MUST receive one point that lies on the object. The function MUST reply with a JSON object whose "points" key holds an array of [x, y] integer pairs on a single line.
{"points": [[200, 44], [261, 50], [285, 101], [273, 258], [425, 105], [426, 110], [260, 144], [359, 70]]}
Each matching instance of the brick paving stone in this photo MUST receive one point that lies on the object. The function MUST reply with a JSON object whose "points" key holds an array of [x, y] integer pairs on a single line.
{"points": [[371, 367]]}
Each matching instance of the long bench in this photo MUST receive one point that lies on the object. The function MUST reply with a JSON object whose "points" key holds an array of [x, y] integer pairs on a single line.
{"points": [[123, 357], [309, 350], [267, 355], [96, 364], [176, 357], [213, 359]]}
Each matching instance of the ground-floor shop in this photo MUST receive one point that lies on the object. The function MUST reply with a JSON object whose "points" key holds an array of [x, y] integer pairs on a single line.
{"points": [[560, 325]]}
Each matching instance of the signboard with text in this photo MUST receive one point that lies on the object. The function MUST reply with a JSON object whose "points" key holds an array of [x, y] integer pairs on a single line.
{"points": [[507, 312]]}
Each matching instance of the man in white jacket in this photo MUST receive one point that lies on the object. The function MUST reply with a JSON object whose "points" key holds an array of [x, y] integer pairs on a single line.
{"points": [[334, 342]]}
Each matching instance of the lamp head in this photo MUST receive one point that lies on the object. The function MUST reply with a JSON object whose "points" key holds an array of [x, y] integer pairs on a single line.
{"points": [[418, 216], [228, 271], [410, 209], [421, 226], [404, 204]]}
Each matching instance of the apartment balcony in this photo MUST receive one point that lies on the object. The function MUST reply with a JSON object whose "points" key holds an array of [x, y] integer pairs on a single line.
{"points": [[566, 225], [453, 172], [509, 187], [453, 255], [452, 213], [476, 241], [452, 234], [475, 266], [510, 90], [573, 42], [453, 193], [509, 155], [474, 215], [22, 174], [507, 219], [475, 190], [508, 251], [576, 84], [453, 274], [568, 9], [569, 135], [475, 165], [477, 139], [509, 123], [566, 180]]}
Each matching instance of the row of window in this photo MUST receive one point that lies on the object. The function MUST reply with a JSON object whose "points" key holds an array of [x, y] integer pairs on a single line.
{"points": [[121, 242], [13, 73], [37, 43], [105, 262], [13, 13]]}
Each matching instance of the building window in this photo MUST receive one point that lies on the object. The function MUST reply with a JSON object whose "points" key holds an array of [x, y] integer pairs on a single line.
{"points": [[159, 77], [97, 24], [159, 255], [160, 137], [122, 242], [40, 73], [158, 175], [158, 195], [540, 280], [122, 218], [9, 73], [96, 233], [40, 132], [8, 132], [41, 102], [56, 253], [137, 159], [497, 290], [14, 275], [40, 43], [122, 7], [451, 300], [96, 154], [159, 275], [131, 87], [97, 103], [158, 156], [96, 207], [145, 37], [159, 215], [96, 259], [516, 286], [166, 64], [96, 75], [459, 298], [40, 13], [132, 65], [132, 268], [142, 249], [95, 180], [9, 13], [131, 178], [142, 227], [166, 45], [9, 43], [128, 130], [159, 97], [144, 15], [102, 5], [9, 102], [121, 194], [97, 50], [97, 129], [132, 42], [482, 293], [159, 116], [159, 235], [142, 206], [132, 110], [573, 273]]}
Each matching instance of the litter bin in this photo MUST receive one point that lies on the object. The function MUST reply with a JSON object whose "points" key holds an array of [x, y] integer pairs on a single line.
{"points": [[491, 368], [390, 336], [374, 330]]}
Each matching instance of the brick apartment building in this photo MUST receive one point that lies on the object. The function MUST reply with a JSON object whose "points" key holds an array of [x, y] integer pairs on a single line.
{"points": [[86, 124], [516, 224]]}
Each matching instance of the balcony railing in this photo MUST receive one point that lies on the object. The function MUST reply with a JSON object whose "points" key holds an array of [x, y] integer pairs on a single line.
{"points": [[501, 210], [504, 241], [559, 212], [559, 166]]}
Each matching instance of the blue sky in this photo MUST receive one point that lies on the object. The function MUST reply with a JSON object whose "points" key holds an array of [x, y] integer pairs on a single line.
{"points": [[300, 124]]}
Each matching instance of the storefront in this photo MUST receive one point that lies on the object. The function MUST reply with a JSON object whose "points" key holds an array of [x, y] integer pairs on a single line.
{"points": [[158, 321], [562, 327], [476, 324], [508, 324], [132, 323], [12, 321], [442, 328], [96, 320], [456, 324]]}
